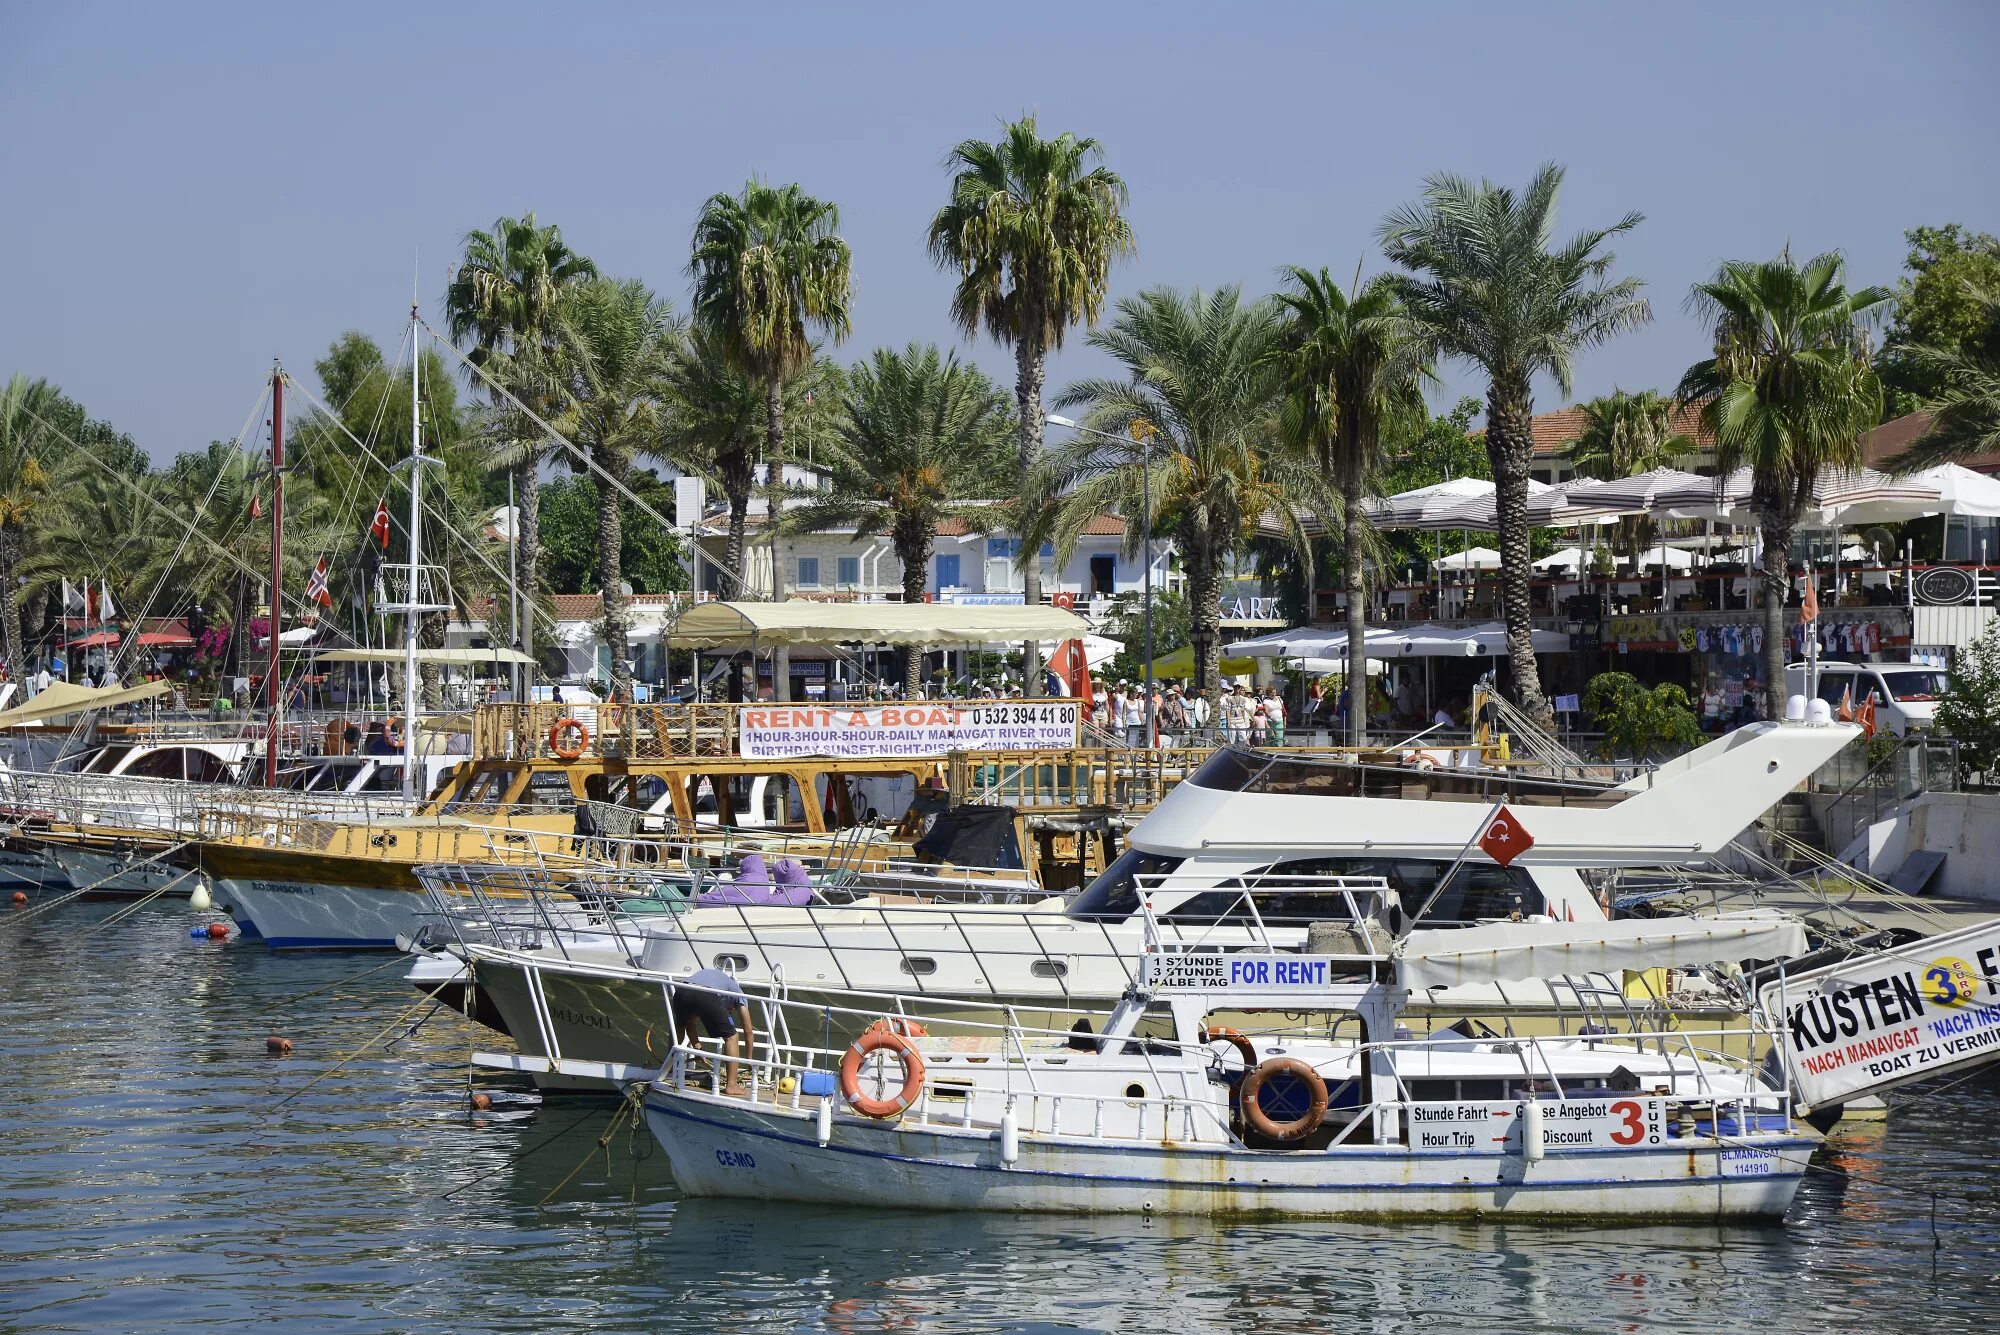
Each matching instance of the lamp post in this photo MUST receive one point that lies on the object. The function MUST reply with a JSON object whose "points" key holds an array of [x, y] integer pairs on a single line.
{"points": [[1142, 433]]}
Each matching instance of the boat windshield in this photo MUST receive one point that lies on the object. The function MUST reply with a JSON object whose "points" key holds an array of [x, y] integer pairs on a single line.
{"points": [[1114, 895], [1915, 684], [1476, 892], [1388, 774]]}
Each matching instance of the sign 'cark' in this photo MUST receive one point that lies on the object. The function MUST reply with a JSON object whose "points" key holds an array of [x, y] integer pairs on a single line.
{"points": [[1504, 839]]}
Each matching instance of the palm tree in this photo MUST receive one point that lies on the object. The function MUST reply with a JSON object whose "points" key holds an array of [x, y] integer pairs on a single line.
{"points": [[504, 304], [1032, 228], [26, 409], [769, 267], [1350, 363], [1624, 435], [715, 419], [1965, 415], [617, 357], [1488, 290], [1194, 423], [921, 433], [1789, 391]]}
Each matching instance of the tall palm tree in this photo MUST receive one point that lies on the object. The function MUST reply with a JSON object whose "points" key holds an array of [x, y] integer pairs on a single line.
{"points": [[921, 433], [1789, 391], [617, 357], [504, 305], [1624, 435], [1965, 415], [1487, 289], [26, 409], [1032, 228], [715, 420], [1350, 363], [1202, 390]]}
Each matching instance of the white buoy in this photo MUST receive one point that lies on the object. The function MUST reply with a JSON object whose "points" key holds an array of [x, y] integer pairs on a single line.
{"points": [[825, 1124], [199, 899], [1010, 1136], [1534, 1144]]}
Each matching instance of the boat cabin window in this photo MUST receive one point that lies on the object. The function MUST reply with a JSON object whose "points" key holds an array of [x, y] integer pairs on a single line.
{"points": [[106, 760], [1114, 895], [549, 790], [1476, 892], [179, 762], [482, 791]]}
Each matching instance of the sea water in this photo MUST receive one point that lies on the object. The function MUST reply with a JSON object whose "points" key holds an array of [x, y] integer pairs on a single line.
{"points": [[160, 1172]]}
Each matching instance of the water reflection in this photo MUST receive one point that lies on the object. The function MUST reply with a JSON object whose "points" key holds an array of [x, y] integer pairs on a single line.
{"points": [[155, 1177]]}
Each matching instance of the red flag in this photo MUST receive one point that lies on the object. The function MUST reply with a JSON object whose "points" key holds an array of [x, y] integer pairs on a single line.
{"points": [[256, 506], [89, 603], [1867, 716], [1504, 839], [316, 587], [378, 528], [1846, 711], [1809, 601], [1069, 667]]}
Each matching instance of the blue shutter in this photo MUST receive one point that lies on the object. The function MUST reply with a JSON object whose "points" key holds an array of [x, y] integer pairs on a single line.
{"points": [[947, 572]]}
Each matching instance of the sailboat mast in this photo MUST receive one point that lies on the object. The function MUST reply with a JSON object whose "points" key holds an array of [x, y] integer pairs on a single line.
{"points": [[416, 546], [272, 684]]}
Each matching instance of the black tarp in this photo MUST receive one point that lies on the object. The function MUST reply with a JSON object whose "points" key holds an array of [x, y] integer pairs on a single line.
{"points": [[973, 837]]}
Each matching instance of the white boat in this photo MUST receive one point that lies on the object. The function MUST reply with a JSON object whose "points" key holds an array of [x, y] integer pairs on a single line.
{"points": [[1317, 1111]]}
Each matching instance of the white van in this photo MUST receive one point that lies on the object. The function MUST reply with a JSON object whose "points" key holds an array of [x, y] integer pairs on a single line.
{"points": [[1905, 694]]}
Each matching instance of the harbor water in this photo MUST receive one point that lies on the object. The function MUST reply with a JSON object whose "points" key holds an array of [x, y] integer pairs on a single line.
{"points": [[159, 1171]]}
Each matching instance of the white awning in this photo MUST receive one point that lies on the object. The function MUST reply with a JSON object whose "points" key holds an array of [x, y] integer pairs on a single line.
{"points": [[63, 698], [735, 625], [1505, 952], [442, 657]]}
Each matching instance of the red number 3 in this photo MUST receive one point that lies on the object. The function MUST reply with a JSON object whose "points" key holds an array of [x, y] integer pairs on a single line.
{"points": [[1634, 1129]]}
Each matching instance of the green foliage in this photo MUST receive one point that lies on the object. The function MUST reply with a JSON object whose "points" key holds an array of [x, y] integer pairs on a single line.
{"points": [[1125, 619], [1965, 384], [1938, 308], [653, 558], [769, 268], [1969, 710], [1637, 723]]}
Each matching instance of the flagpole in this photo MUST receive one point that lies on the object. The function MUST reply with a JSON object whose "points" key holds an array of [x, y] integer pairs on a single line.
{"points": [[273, 699]]}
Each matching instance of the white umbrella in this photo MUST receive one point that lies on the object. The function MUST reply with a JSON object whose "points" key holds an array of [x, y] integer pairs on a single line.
{"points": [[1473, 558], [1491, 638], [1638, 494], [1569, 558], [1323, 666], [1472, 507], [1673, 558], [1408, 509]]}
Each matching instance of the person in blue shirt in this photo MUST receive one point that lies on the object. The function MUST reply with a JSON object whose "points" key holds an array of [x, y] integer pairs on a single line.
{"points": [[713, 1000]]}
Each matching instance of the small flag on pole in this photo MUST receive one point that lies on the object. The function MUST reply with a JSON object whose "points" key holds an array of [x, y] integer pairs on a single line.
{"points": [[378, 528], [256, 506], [1809, 601], [1504, 839], [316, 587]]}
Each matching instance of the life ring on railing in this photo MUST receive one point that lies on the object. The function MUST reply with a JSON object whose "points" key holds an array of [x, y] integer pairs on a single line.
{"points": [[1236, 1039], [1264, 1124], [1420, 760], [877, 1037], [568, 738]]}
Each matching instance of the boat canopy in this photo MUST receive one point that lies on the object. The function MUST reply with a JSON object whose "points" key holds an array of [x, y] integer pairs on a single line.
{"points": [[443, 657], [1506, 952], [736, 625], [60, 698]]}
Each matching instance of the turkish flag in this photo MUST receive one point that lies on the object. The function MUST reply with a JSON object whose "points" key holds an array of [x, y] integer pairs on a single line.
{"points": [[1504, 839]]}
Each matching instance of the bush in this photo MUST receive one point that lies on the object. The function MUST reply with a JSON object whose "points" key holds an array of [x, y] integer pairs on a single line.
{"points": [[1969, 710], [1641, 724]]}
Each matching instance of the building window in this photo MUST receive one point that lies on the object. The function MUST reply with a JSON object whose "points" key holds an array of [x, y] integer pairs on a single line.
{"points": [[809, 572], [947, 572], [847, 571], [1104, 575]]}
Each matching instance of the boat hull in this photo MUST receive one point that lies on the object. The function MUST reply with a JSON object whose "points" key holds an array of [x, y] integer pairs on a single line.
{"points": [[730, 1148], [106, 874], [30, 868], [315, 915]]}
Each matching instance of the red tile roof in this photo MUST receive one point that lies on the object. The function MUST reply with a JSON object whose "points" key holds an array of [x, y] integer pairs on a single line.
{"points": [[1893, 437], [1554, 431]]}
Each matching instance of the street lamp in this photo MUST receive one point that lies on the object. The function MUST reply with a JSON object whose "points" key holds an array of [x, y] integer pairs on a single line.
{"points": [[1142, 433]]}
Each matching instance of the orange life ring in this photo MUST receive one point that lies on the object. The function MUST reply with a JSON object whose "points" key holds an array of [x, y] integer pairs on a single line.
{"points": [[568, 738], [1236, 1039], [1419, 760], [876, 1038], [1298, 1127]]}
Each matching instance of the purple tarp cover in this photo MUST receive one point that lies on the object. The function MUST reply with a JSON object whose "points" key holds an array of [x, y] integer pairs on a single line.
{"points": [[784, 886]]}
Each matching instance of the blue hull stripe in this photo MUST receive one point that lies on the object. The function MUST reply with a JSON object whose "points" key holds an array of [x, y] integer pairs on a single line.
{"points": [[663, 1110]]}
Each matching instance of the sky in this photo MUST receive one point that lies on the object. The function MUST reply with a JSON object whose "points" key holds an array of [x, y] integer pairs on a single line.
{"points": [[194, 190]]}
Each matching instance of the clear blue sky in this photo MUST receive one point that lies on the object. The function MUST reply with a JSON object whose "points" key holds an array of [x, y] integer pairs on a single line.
{"points": [[194, 189]]}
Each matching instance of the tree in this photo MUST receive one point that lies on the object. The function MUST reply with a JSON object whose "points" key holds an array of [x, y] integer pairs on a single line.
{"points": [[1965, 402], [1637, 723], [1969, 710], [1201, 389], [616, 357], [651, 558], [1788, 392], [1125, 621], [921, 429], [1032, 227], [1486, 289], [1349, 363], [504, 305], [26, 407], [1939, 309], [1624, 435]]}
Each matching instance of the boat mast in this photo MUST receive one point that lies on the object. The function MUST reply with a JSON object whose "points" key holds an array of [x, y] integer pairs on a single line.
{"points": [[272, 684], [416, 546]]}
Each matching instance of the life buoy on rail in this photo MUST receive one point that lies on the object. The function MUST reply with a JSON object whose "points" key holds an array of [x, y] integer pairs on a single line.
{"points": [[1299, 1127], [1419, 760], [1237, 1039], [568, 738], [877, 1038]]}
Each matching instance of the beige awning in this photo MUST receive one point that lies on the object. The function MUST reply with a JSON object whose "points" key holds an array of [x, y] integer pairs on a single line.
{"points": [[442, 657], [734, 625], [63, 698]]}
